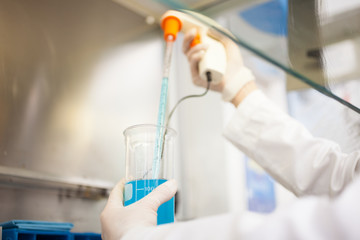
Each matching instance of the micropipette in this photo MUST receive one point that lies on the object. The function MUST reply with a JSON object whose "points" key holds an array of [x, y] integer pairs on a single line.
{"points": [[214, 59], [211, 68]]}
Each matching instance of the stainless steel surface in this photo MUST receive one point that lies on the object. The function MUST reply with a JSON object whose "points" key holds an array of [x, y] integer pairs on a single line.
{"points": [[305, 44], [156, 8], [48, 54], [44, 205], [61, 114], [81, 188]]}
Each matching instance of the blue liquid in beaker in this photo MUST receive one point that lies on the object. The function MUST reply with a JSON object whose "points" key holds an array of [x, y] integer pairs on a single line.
{"points": [[136, 190]]}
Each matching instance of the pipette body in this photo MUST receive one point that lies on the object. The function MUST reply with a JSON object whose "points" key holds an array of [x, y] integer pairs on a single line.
{"points": [[214, 59]]}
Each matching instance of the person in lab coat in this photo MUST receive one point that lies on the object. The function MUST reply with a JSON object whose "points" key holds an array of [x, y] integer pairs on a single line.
{"points": [[305, 165]]}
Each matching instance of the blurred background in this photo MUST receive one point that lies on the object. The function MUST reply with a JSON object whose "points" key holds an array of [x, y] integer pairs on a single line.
{"points": [[75, 74]]}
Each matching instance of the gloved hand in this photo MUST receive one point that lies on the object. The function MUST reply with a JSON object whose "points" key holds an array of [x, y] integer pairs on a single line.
{"points": [[137, 218], [237, 76]]}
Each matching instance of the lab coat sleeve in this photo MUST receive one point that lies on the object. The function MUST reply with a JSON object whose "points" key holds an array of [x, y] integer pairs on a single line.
{"points": [[319, 218], [308, 218], [299, 161]]}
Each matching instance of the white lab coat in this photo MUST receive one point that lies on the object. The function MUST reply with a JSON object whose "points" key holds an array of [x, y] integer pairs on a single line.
{"points": [[303, 164], [287, 151]]}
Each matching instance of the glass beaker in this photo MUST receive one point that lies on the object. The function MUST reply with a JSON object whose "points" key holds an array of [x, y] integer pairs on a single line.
{"points": [[139, 153]]}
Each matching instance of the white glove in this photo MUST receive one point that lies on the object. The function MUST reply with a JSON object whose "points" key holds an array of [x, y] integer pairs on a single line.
{"points": [[236, 76], [138, 218]]}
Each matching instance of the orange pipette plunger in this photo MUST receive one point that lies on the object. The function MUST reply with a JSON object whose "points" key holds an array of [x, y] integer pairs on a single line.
{"points": [[171, 26]]}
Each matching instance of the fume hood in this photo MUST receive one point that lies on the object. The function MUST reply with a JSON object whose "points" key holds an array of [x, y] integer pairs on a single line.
{"points": [[75, 74]]}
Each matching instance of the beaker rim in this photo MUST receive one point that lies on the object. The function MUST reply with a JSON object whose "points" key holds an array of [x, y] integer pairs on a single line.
{"points": [[170, 131]]}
